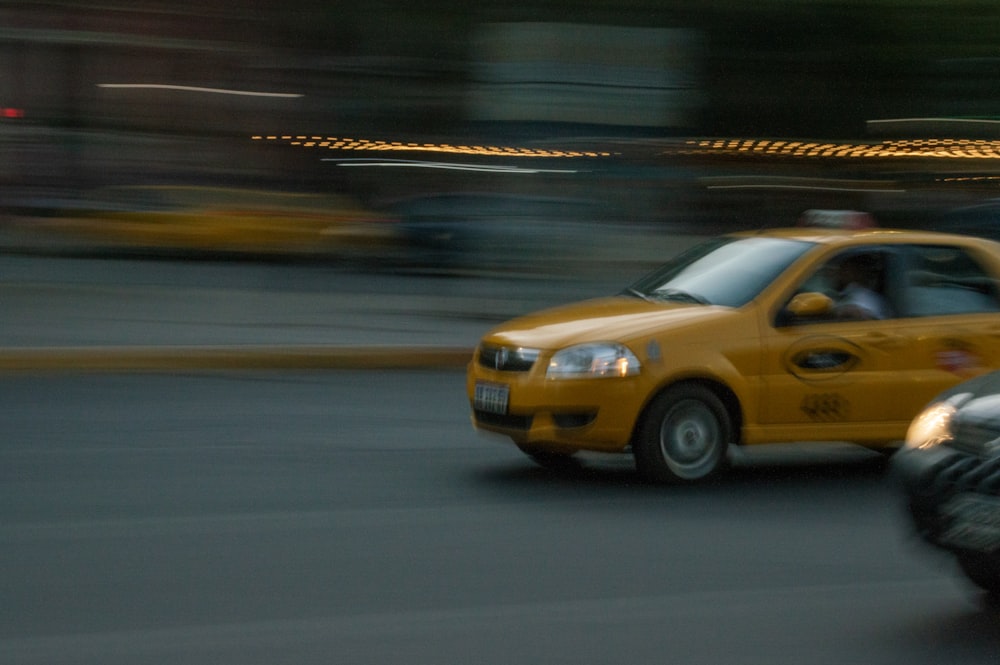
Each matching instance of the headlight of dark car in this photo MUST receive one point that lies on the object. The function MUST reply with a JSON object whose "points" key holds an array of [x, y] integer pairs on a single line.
{"points": [[933, 426]]}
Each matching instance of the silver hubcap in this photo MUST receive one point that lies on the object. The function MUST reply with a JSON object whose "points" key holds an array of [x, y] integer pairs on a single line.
{"points": [[689, 439]]}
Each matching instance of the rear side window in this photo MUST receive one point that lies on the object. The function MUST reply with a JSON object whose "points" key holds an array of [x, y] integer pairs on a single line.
{"points": [[943, 280]]}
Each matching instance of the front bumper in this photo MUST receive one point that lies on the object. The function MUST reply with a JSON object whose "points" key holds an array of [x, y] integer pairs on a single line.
{"points": [[564, 415], [953, 497]]}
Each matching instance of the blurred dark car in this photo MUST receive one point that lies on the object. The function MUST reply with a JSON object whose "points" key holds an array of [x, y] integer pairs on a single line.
{"points": [[486, 230], [949, 470], [981, 220]]}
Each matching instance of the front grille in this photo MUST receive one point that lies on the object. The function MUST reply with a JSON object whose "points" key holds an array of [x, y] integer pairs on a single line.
{"points": [[520, 423], [972, 437], [967, 473], [506, 358], [574, 420]]}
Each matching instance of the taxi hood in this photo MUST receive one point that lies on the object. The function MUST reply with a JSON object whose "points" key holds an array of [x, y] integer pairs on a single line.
{"points": [[604, 319]]}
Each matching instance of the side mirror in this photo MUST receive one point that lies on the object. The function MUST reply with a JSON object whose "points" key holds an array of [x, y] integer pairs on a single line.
{"points": [[809, 305]]}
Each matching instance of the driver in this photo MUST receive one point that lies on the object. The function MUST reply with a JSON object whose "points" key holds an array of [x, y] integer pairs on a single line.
{"points": [[857, 298]]}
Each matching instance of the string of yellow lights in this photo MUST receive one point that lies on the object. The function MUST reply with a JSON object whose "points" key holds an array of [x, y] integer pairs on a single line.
{"points": [[923, 148], [366, 145], [911, 148]]}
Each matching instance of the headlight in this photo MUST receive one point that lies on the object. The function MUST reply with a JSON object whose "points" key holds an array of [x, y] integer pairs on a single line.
{"points": [[593, 360], [933, 426]]}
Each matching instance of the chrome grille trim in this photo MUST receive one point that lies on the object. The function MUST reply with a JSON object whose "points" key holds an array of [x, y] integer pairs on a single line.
{"points": [[973, 437], [967, 473], [506, 358]]}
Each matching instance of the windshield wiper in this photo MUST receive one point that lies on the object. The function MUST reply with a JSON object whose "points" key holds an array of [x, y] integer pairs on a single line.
{"points": [[638, 294], [680, 296]]}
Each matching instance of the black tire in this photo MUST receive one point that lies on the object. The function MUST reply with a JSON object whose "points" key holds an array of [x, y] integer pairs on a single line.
{"points": [[684, 436], [983, 570], [551, 460]]}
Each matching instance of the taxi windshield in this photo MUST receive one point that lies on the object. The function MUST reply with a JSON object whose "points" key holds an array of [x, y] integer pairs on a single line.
{"points": [[728, 271]]}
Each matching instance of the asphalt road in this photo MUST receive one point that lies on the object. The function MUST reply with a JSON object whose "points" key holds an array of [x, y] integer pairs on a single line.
{"points": [[354, 517], [113, 305]]}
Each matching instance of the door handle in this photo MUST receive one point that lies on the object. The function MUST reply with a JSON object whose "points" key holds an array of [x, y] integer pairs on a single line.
{"points": [[820, 360], [886, 341]]}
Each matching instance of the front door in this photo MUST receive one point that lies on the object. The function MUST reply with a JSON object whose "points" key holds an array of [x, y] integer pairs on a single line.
{"points": [[837, 377], [833, 381]]}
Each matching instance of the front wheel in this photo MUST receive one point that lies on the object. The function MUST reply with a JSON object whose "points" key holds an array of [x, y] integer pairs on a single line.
{"points": [[683, 436]]}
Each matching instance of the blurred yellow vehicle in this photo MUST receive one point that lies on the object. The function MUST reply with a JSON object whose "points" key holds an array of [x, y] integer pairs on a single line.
{"points": [[227, 220], [744, 340]]}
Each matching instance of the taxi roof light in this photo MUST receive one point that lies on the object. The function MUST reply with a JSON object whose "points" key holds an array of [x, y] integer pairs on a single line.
{"points": [[851, 220]]}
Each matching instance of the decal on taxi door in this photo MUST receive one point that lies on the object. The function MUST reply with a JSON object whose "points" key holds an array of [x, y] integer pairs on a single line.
{"points": [[960, 358], [826, 407]]}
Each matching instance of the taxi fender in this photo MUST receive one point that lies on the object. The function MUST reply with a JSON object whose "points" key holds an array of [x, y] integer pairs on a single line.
{"points": [[708, 367]]}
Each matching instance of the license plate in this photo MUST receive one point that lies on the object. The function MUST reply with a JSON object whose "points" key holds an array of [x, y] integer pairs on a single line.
{"points": [[492, 397], [975, 523]]}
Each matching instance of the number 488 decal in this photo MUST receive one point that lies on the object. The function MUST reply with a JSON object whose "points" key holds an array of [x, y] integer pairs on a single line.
{"points": [[826, 407]]}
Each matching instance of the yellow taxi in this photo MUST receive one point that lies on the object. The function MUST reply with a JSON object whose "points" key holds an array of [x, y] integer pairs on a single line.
{"points": [[803, 334], [228, 220]]}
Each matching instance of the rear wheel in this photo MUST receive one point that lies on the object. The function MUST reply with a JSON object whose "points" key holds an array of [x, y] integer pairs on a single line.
{"points": [[684, 435]]}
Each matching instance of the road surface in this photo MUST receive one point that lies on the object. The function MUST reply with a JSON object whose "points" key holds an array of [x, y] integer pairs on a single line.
{"points": [[258, 518]]}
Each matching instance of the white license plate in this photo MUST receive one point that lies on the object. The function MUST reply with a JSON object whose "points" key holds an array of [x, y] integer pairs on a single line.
{"points": [[492, 397], [975, 523]]}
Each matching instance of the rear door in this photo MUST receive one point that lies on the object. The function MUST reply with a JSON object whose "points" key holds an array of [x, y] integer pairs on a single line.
{"points": [[951, 308]]}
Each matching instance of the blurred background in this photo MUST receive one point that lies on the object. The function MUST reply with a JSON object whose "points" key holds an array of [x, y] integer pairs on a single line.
{"points": [[447, 132], [399, 177]]}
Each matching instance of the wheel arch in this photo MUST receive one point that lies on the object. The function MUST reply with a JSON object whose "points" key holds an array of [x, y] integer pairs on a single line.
{"points": [[728, 397]]}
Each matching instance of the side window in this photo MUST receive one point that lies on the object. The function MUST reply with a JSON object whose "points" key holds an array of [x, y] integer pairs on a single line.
{"points": [[854, 286], [947, 280]]}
